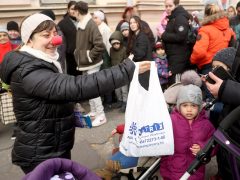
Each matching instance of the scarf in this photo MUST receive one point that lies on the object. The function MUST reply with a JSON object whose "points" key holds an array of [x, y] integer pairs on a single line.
{"points": [[43, 56]]}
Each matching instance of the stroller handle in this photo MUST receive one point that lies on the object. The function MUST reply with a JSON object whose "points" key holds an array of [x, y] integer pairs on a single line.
{"points": [[185, 176]]}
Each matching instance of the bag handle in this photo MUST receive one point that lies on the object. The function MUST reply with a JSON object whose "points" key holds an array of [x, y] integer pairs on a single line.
{"points": [[135, 74], [153, 79]]}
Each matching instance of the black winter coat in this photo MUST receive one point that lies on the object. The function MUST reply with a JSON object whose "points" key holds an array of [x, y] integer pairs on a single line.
{"points": [[42, 103], [142, 49], [69, 31], [229, 94], [175, 40]]}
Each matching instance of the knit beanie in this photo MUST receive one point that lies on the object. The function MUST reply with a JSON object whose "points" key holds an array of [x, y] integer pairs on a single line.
{"points": [[115, 41], [190, 93], [3, 29], [99, 14], [49, 13], [226, 56], [187, 77], [124, 26], [158, 45], [191, 77], [30, 24], [12, 25]]}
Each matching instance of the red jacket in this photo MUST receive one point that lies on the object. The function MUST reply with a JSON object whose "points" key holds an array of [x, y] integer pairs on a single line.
{"points": [[5, 48], [213, 36], [185, 135]]}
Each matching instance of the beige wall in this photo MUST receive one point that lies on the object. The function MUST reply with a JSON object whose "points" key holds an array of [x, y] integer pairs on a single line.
{"points": [[149, 10]]}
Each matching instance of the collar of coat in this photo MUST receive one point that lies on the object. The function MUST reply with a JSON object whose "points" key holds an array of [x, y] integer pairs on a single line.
{"points": [[83, 23], [214, 17]]}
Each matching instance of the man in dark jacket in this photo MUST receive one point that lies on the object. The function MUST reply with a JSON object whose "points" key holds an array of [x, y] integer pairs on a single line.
{"points": [[68, 27], [175, 40]]}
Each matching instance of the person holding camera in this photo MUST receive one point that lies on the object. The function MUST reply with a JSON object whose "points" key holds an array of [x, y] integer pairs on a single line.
{"points": [[227, 92]]}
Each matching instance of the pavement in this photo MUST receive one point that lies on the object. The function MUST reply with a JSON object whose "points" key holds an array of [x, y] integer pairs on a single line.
{"points": [[92, 147]]}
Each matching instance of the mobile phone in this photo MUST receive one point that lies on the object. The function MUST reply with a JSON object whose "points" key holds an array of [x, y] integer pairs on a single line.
{"points": [[221, 73]]}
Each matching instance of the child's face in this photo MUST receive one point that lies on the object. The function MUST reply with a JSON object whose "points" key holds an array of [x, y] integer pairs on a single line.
{"points": [[189, 110], [3, 37], [125, 32], [160, 51], [116, 45], [219, 63]]}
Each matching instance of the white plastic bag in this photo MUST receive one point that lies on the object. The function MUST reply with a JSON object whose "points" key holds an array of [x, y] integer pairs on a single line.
{"points": [[148, 126]]}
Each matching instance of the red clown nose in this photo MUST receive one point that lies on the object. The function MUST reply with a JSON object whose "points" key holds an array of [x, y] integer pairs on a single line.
{"points": [[56, 40]]}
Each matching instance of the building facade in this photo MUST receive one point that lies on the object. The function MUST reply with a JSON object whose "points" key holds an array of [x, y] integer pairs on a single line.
{"points": [[149, 10]]}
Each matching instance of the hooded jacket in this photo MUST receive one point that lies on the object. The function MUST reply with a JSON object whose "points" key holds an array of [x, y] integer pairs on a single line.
{"points": [[117, 55], [175, 40], [214, 35], [42, 103], [185, 135]]}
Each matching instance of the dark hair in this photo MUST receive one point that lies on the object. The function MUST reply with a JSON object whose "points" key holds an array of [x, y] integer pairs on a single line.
{"points": [[176, 2], [127, 9], [49, 13], [132, 35], [45, 25], [82, 7], [238, 5], [71, 3]]}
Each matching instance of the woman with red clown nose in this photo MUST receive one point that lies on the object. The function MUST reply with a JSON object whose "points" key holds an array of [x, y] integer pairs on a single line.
{"points": [[44, 97]]}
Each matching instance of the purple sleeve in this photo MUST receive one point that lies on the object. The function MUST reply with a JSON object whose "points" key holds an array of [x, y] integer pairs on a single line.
{"points": [[51, 167]]}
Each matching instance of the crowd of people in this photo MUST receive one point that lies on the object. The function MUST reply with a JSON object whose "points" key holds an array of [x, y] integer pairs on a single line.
{"points": [[49, 75]]}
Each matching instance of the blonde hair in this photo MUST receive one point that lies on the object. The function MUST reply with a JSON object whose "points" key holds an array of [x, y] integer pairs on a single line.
{"points": [[231, 7], [211, 9]]}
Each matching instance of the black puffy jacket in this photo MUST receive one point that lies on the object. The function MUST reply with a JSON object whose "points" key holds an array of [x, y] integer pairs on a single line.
{"points": [[175, 40], [42, 103]]}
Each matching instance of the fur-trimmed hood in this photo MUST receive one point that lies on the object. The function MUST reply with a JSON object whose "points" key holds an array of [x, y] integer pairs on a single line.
{"points": [[218, 19]]}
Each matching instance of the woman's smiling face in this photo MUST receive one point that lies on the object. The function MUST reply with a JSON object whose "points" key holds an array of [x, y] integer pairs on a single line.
{"points": [[42, 41], [4, 37], [133, 25]]}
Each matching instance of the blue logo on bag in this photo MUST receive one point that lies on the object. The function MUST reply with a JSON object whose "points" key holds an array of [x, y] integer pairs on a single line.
{"points": [[133, 129], [145, 129]]}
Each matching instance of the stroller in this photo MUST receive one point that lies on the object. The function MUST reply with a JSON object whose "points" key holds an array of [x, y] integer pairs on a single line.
{"points": [[134, 168], [220, 137]]}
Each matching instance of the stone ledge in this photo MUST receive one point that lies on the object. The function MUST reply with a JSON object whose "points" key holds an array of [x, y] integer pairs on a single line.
{"points": [[15, 3]]}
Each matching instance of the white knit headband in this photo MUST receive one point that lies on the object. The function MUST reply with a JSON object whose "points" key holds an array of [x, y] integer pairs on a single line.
{"points": [[30, 24], [99, 14]]}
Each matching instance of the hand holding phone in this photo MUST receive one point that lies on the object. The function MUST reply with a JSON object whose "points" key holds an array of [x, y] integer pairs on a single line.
{"points": [[221, 73]]}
